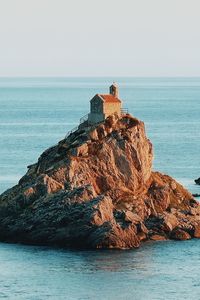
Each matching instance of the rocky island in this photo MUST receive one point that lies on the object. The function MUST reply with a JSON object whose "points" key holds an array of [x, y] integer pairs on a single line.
{"points": [[96, 189]]}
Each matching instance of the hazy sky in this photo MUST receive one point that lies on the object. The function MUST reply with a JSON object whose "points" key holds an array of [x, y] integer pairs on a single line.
{"points": [[99, 37]]}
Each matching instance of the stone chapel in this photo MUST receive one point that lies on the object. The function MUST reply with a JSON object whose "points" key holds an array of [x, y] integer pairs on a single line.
{"points": [[104, 105]]}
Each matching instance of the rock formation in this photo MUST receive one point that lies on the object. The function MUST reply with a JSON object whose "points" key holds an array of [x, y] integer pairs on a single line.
{"points": [[96, 189], [197, 181]]}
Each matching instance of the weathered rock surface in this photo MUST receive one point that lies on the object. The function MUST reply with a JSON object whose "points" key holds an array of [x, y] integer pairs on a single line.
{"points": [[96, 189]]}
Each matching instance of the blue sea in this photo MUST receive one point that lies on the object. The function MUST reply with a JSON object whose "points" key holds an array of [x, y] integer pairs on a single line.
{"points": [[36, 113]]}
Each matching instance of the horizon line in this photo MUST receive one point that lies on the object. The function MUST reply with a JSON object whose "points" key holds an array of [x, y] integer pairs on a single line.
{"points": [[91, 76]]}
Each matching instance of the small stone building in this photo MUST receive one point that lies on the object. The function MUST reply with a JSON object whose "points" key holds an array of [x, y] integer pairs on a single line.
{"points": [[102, 106]]}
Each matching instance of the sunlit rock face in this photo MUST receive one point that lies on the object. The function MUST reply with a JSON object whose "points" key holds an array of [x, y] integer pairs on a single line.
{"points": [[96, 189]]}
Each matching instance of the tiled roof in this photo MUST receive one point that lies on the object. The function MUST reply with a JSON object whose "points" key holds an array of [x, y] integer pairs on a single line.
{"points": [[110, 98]]}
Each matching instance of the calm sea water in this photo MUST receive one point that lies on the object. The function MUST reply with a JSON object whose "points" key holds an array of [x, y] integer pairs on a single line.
{"points": [[35, 114]]}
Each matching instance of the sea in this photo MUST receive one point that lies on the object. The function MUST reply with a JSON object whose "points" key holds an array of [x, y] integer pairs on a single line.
{"points": [[35, 113]]}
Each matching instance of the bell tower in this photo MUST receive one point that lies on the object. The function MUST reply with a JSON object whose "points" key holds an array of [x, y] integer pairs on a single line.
{"points": [[114, 90]]}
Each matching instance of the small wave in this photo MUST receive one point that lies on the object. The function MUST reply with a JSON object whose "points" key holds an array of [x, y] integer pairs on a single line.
{"points": [[10, 178], [185, 181], [28, 135], [37, 124]]}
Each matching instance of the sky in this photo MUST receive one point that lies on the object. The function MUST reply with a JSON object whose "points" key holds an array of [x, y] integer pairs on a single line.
{"points": [[99, 38]]}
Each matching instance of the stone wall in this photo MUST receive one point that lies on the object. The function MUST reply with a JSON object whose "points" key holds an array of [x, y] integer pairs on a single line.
{"points": [[111, 108], [96, 105], [94, 118]]}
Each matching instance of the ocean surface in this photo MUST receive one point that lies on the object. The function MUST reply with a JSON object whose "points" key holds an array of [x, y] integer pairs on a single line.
{"points": [[36, 113]]}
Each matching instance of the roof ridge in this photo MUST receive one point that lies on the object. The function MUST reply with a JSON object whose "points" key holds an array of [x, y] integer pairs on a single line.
{"points": [[109, 97]]}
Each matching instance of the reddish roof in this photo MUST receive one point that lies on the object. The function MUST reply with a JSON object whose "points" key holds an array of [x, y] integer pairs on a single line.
{"points": [[110, 98]]}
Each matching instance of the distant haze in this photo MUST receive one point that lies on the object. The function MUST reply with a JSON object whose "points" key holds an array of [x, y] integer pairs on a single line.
{"points": [[100, 38]]}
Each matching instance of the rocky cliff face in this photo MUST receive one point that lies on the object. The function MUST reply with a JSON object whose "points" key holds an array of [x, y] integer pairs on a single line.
{"points": [[96, 189]]}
